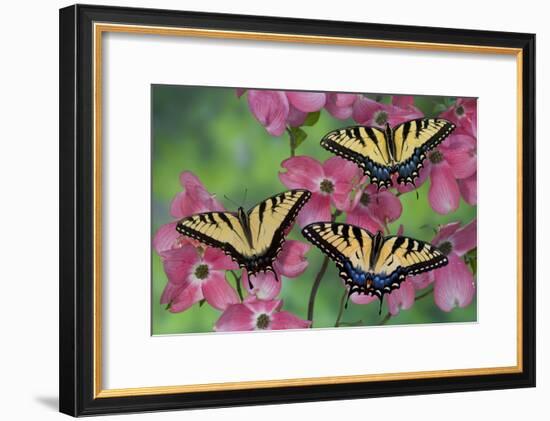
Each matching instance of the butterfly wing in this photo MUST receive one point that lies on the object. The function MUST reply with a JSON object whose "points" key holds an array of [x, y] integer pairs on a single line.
{"points": [[401, 256], [222, 230], [269, 220], [412, 140], [365, 146], [350, 247]]}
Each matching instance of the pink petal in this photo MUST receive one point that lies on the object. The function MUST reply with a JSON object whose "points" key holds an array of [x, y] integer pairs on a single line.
{"points": [[169, 292], [166, 237], [444, 195], [263, 306], [402, 298], [286, 320], [270, 108], [236, 317], [468, 189], [302, 172], [402, 101], [217, 292], [264, 285], [398, 115], [307, 101], [454, 285], [422, 280], [296, 117], [292, 262], [186, 297], [445, 231], [385, 206], [179, 263], [341, 170], [240, 92], [362, 298], [316, 210], [194, 199], [465, 239], [364, 109], [340, 105], [217, 259], [361, 217], [461, 155]]}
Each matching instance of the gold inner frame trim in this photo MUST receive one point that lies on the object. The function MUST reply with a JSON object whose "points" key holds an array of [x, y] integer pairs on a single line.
{"points": [[101, 28]]}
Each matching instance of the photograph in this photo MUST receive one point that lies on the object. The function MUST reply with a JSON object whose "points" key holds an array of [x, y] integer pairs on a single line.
{"points": [[285, 209]]}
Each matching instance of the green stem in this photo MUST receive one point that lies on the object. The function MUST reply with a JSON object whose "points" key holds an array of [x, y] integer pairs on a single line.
{"points": [[292, 142], [341, 309], [387, 317], [318, 279], [237, 283]]}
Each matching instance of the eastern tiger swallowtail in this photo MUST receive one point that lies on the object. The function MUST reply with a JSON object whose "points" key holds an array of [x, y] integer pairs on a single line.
{"points": [[253, 239], [372, 264], [380, 153]]}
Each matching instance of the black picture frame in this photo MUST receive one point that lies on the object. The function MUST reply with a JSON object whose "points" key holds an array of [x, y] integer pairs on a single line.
{"points": [[76, 290]]}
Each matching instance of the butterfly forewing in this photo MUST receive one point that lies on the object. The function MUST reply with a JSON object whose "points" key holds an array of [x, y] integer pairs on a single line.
{"points": [[270, 218], [408, 255], [365, 146]]}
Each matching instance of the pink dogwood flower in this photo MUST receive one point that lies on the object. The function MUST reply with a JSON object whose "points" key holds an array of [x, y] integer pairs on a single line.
{"points": [[372, 209], [454, 283], [193, 199], [290, 263], [258, 315], [454, 159], [194, 275], [331, 181], [401, 298], [275, 109], [464, 114], [340, 105], [369, 112]]}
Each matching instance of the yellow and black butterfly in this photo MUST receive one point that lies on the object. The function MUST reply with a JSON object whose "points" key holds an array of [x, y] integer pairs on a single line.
{"points": [[253, 239], [380, 153], [372, 264]]}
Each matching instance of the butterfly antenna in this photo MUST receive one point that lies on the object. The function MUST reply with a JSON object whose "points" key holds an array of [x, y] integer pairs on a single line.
{"points": [[232, 201], [245, 194]]}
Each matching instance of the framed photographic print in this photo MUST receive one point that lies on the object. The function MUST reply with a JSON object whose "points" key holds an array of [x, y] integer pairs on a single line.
{"points": [[266, 210]]}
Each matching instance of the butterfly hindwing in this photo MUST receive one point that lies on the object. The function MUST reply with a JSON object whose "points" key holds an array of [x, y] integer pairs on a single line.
{"points": [[412, 140], [365, 146], [253, 239]]}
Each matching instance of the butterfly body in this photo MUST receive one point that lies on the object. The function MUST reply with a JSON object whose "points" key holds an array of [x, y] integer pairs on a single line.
{"points": [[381, 153], [251, 238], [372, 264]]}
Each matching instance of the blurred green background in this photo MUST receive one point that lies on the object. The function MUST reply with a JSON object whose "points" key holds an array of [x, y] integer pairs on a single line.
{"points": [[212, 133]]}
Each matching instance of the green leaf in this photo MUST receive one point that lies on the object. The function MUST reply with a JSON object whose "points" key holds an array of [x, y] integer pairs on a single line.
{"points": [[312, 118], [298, 135], [471, 260]]}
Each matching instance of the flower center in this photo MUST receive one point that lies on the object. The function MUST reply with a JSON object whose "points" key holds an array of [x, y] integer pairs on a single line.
{"points": [[365, 199], [436, 157], [201, 272], [381, 118], [446, 247], [262, 322], [459, 111], [326, 186]]}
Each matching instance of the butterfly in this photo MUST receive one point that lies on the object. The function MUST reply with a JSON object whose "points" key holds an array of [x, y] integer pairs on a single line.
{"points": [[371, 263], [380, 153], [253, 239]]}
